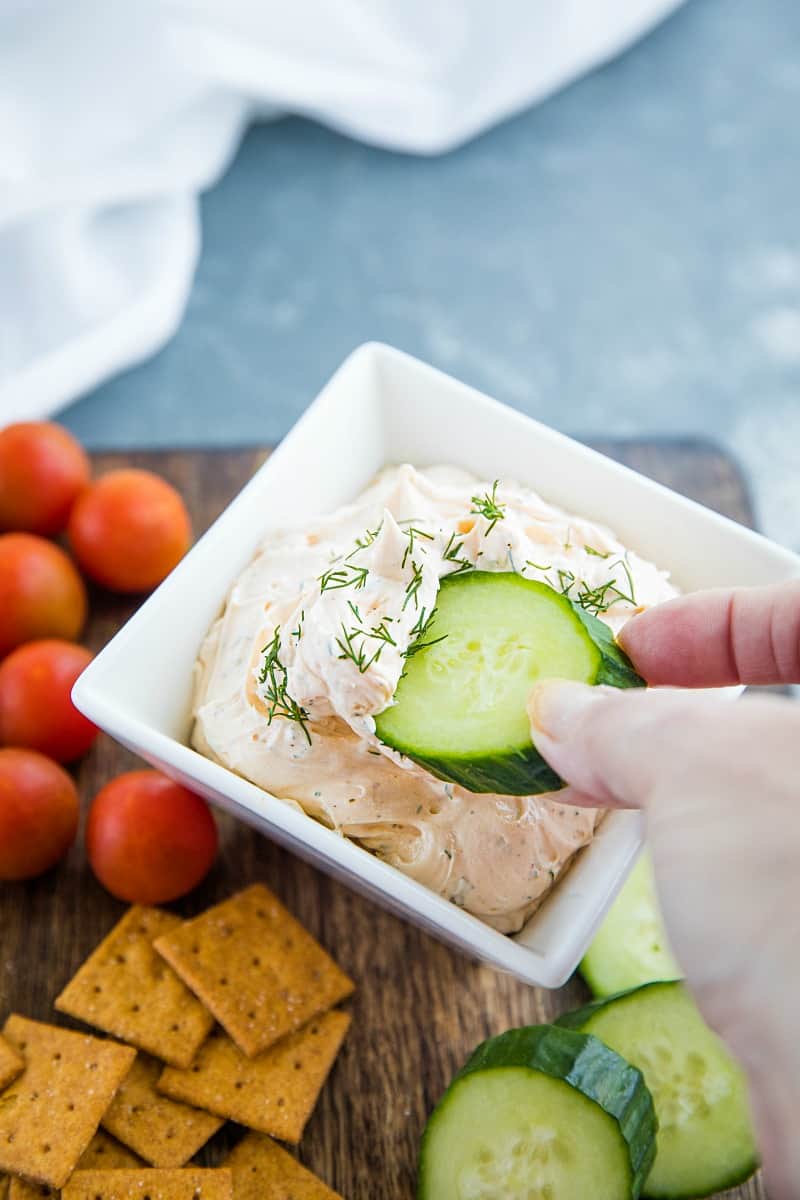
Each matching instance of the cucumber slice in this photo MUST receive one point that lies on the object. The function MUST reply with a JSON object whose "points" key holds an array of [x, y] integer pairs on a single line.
{"points": [[540, 1113], [460, 709], [705, 1140], [631, 946]]}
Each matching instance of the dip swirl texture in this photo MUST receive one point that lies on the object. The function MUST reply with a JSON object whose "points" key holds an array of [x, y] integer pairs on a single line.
{"points": [[339, 603]]}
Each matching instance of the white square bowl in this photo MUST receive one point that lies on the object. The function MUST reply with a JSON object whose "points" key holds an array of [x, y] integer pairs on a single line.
{"points": [[382, 407]]}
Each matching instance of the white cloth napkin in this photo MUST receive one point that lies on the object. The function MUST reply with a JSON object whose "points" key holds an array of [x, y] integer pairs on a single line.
{"points": [[115, 115]]}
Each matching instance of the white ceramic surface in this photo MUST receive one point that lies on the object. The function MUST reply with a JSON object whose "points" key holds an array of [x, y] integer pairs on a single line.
{"points": [[383, 407]]}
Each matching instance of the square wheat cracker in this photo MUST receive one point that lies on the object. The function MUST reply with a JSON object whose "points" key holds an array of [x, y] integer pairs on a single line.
{"points": [[255, 967], [262, 1170], [164, 1132], [49, 1115], [12, 1064], [194, 1184], [103, 1153], [274, 1093], [127, 990]]}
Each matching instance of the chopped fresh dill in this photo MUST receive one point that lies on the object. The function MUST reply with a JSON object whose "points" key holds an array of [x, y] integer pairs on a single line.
{"points": [[598, 599], [350, 648], [411, 533], [363, 542], [565, 580], [631, 596], [417, 632], [413, 586], [297, 633], [274, 678], [452, 554], [537, 566], [489, 506], [380, 632], [597, 553], [346, 576], [567, 542], [354, 610]]}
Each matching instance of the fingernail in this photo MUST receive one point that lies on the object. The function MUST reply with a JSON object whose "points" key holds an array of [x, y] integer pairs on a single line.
{"points": [[555, 705]]}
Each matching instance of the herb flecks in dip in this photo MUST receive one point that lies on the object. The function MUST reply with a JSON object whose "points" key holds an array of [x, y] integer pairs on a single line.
{"points": [[314, 638]]}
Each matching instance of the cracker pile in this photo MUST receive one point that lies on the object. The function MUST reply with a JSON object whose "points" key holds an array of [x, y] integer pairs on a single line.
{"points": [[229, 1016]]}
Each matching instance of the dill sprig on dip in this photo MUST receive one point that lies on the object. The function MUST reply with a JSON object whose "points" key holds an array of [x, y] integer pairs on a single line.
{"points": [[356, 652], [274, 678], [413, 586], [369, 537], [298, 633], [489, 506], [348, 575], [350, 648], [452, 554], [600, 599], [417, 634], [411, 533]]}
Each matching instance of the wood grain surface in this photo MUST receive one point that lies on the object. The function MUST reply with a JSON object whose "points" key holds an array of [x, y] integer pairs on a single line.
{"points": [[420, 1008]]}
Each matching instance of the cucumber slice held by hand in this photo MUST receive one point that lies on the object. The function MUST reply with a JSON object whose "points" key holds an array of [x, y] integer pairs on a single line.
{"points": [[460, 709], [541, 1113], [631, 946], [705, 1139]]}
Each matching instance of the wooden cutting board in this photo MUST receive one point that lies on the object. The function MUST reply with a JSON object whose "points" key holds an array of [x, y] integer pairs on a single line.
{"points": [[420, 1008]]}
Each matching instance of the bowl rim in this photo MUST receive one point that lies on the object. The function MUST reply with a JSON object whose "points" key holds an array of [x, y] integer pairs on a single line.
{"points": [[329, 850]]}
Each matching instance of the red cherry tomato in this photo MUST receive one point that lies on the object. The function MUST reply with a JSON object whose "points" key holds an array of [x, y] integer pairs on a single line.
{"points": [[129, 529], [36, 709], [41, 593], [42, 469], [149, 840], [38, 813]]}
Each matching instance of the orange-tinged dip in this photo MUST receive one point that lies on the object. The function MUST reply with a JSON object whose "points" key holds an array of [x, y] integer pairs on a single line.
{"points": [[338, 603]]}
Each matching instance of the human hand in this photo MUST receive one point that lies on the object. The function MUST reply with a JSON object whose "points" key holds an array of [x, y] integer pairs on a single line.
{"points": [[719, 786]]}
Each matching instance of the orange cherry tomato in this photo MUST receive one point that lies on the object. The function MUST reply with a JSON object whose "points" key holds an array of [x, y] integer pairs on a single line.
{"points": [[36, 709], [129, 529], [38, 813], [149, 840], [42, 469], [41, 593]]}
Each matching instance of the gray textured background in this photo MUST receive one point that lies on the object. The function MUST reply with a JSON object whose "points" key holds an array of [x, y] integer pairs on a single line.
{"points": [[623, 259]]}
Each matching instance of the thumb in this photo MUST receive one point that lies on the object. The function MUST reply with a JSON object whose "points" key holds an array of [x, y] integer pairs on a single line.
{"points": [[610, 745]]}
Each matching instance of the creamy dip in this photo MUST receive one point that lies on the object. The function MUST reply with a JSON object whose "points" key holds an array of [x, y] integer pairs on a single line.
{"points": [[335, 605]]}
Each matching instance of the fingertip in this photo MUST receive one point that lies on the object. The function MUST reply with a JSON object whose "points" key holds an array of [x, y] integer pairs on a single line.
{"points": [[554, 705]]}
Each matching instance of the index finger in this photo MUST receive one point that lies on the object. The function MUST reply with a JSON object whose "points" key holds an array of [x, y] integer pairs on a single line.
{"points": [[719, 637]]}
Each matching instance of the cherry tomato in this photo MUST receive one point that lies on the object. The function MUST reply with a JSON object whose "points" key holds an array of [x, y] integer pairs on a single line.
{"points": [[42, 469], [129, 529], [148, 839], [38, 813], [35, 705], [41, 593]]}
